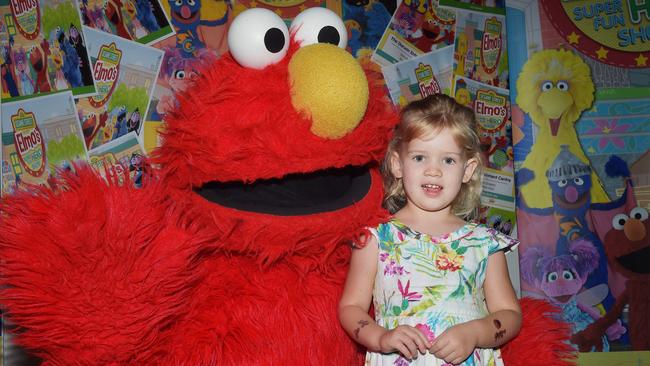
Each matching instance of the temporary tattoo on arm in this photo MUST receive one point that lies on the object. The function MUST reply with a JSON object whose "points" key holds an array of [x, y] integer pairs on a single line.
{"points": [[500, 332], [362, 323]]}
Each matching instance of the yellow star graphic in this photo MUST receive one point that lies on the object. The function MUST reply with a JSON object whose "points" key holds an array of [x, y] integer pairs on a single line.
{"points": [[278, 12], [602, 53], [573, 38], [641, 60], [253, 4], [302, 7], [591, 150], [607, 130]]}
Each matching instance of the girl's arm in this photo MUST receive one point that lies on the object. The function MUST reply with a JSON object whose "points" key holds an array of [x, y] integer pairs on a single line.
{"points": [[355, 302], [504, 320], [456, 343]]}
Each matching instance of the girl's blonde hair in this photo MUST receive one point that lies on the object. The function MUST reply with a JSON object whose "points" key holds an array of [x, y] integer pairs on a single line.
{"points": [[425, 117]]}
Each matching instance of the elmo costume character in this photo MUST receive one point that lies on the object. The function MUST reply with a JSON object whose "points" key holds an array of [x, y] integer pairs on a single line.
{"points": [[235, 253]]}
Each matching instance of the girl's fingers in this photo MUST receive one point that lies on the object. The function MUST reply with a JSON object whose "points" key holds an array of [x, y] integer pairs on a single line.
{"points": [[438, 344], [410, 344], [401, 347], [444, 352], [419, 339]]}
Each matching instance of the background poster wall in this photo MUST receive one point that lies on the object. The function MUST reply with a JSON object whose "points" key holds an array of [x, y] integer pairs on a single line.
{"points": [[582, 174]]}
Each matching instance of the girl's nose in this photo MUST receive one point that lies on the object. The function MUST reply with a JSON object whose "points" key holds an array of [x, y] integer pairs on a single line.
{"points": [[433, 170]]}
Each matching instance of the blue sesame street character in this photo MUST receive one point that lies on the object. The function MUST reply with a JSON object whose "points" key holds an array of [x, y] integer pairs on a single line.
{"points": [[366, 24], [71, 63], [186, 18], [120, 128], [145, 15], [570, 182]]}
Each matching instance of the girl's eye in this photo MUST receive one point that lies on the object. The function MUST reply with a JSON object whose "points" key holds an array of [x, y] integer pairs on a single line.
{"points": [[418, 158], [449, 161]]}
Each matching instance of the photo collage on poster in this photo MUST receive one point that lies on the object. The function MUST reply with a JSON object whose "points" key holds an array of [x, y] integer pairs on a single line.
{"points": [[72, 82], [460, 50]]}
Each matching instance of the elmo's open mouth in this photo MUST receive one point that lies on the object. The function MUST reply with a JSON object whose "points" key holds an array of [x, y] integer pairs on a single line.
{"points": [[294, 195], [636, 261]]}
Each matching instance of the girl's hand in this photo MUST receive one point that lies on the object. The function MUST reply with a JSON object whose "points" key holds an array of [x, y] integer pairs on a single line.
{"points": [[406, 340], [455, 344]]}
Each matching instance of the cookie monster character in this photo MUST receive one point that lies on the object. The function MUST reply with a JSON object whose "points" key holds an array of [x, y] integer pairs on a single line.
{"points": [[71, 61], [145, 15], [236, 250]]}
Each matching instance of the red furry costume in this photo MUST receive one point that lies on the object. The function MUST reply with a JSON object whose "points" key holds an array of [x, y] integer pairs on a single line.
{"points": [[102, 274]]}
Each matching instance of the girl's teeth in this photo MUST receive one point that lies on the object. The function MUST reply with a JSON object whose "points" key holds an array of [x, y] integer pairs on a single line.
{"points": [[431, 186]]}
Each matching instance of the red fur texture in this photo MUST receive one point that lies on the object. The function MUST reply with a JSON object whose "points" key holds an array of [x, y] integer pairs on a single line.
{"points": [[94, 273], [543, 340]]}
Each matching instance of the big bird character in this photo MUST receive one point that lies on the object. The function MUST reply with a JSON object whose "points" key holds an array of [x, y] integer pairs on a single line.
{"points": [[236, 251], [554, 87]]}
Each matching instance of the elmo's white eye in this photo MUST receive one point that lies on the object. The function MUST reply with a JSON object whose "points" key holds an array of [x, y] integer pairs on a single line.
{"points": [[639, 213], [618, 222], [563, 85], [257, 38], [319, 25], [547, 85]]}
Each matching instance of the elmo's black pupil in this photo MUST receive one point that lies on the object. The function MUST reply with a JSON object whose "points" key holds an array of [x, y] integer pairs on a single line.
{"points": [[329, 34], [274, 40]]}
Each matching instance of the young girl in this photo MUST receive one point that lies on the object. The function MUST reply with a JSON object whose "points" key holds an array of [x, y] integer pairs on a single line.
{"points": [[439, 285]]}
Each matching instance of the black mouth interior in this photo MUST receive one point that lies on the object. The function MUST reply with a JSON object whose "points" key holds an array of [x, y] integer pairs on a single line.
{"points": [[294, 195], [637, 262]]}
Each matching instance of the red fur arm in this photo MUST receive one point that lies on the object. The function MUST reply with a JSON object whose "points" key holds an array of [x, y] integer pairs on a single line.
{"points": [[592, 335], [93, 274]]}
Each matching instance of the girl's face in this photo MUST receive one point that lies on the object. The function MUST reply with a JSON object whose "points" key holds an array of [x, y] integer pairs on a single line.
{"points": [[432, 169]]}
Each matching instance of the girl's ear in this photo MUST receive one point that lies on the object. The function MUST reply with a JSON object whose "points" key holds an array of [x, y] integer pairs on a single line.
{"points": [[395, 165], [470, 168]]}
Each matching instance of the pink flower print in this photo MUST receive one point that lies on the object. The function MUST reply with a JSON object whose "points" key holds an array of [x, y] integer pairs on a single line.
{"points": [[449, 261], [426, 330], [410, 296], [393, 269], [383, 256], [401, 361], [609, 128]]}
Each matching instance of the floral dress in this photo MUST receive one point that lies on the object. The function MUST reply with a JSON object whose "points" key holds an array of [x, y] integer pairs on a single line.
{"points": [[432, 283]]}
